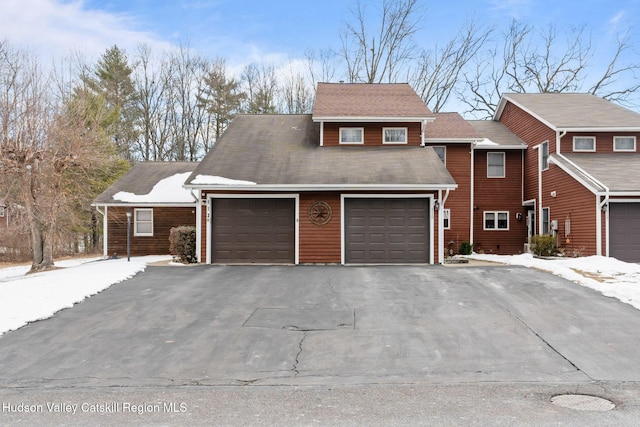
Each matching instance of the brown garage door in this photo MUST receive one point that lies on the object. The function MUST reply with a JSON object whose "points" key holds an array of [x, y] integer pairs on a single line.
{"points": [[387, 230], [624, 231], [253, 231]]}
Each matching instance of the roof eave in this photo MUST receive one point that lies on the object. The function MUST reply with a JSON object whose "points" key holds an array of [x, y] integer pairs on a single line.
{"points": [[150, 204], [324, 187], [600, 129], [370, 119]]}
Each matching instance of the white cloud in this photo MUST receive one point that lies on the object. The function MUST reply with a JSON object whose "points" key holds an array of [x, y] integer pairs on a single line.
{"points": [[58, 28], [515, 8]]}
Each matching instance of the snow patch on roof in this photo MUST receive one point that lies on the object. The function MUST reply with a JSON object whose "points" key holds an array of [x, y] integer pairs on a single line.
{"points": [[167, 190], [487, 141], [219, 180]]}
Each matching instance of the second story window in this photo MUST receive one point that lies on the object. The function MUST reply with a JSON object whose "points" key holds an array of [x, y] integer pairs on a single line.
{"points": [[584, 143], [351, 135], [624, 143], [544, 147], [394, 135], [495, 165]]}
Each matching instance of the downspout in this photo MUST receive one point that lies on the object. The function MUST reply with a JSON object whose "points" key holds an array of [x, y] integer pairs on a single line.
{"points": [[104, 230], [198, 224], [423, 133], [472, 197], [321, 134], [559, 136]]}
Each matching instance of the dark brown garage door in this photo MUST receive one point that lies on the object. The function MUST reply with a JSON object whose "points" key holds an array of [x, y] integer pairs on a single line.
{"points": [[253, 231], [624, 231], [387, 230]]}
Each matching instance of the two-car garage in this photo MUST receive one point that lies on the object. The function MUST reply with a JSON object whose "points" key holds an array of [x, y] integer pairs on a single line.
{"points": [[375, 229]]}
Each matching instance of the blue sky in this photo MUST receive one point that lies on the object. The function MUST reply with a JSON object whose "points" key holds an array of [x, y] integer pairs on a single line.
{"points": [[244, 31]]}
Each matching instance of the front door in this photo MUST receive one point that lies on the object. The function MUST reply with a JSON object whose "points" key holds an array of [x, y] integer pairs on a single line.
{"points": [[531, 224]]}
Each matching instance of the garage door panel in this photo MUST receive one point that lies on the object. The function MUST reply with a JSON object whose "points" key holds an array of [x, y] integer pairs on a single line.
{"points": [[253, 230], [387, 230], [624, 231]]}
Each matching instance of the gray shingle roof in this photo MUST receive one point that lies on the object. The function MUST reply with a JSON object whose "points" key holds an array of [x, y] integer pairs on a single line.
{"points": [[620, 172], [496, 133], [336, 100], [450, 126], [142, 177], [284, 150], [575, 110]]}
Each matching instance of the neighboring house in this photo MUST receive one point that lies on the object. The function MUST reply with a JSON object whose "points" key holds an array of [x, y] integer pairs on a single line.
{"points": [[153, 194], [351, 183], [582, 170]]}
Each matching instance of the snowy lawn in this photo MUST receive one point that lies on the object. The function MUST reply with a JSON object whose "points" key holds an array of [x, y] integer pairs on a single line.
{"points": [[609, 276], [27, 298]]}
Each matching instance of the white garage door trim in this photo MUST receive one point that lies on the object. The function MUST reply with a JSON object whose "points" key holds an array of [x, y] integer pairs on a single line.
{"points": [[296, 198], [386, 196]]}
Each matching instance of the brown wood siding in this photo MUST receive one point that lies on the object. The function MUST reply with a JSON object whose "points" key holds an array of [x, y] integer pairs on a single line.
{"points": [[532, 132], [319, 243], [499, 194], [372, 133], [574, 202], [164, 218], [604, 141], [458, 162]]}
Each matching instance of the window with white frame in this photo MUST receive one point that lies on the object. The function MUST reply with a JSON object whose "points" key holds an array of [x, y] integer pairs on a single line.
{"points": [[546, 229], [351, 135], [441, 151], [394, 135], [544, 152], [624, 143], [495, 165], [446, 218], [496, 220], [584, 143], [143, 222]]}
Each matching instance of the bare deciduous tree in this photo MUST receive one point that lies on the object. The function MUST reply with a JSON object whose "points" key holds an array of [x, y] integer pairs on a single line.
{"points": [[261, 87], [437, 76], [377, 53]]}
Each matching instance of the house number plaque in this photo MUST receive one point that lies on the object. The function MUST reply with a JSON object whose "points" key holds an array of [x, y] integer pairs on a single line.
{"points": [[319, 213]]}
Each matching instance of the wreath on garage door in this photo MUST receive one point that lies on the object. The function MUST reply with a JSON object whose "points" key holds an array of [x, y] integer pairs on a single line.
{"points": [[319, 213]]}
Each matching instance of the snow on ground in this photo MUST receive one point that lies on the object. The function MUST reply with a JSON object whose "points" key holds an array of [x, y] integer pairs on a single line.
{"points": [[611, 277], [27, 298]]}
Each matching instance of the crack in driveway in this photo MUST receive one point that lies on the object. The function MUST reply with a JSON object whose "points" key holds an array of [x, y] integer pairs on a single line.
{"points": [[297, 360]]}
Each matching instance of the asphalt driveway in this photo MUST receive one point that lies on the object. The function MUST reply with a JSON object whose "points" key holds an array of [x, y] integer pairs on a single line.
{"points": [[329, 325]]}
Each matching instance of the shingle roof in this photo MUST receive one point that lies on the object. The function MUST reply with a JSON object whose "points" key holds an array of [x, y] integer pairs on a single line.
{"points": [[450, 126], [359, 100], [284, 150], [495, 134], [575, 110], [142, 177], [620, 172]]}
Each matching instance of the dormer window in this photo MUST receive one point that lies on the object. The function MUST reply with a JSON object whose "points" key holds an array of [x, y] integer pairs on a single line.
{"points": [[584, 143], [394, 135], [351, 135], [624, 143]]}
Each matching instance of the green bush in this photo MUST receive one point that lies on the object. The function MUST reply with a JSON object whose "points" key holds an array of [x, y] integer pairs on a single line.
{"points": [[182, 243], [543, 245], [466, 248]]}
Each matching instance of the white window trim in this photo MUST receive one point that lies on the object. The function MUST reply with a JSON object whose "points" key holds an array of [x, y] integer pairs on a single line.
{"points": [[135, 222], [545, 160], [444, 147], [593, 138], [484, 220], [351, 128], [446, 214], [384, 135], [624, 149], [504, 164]]}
